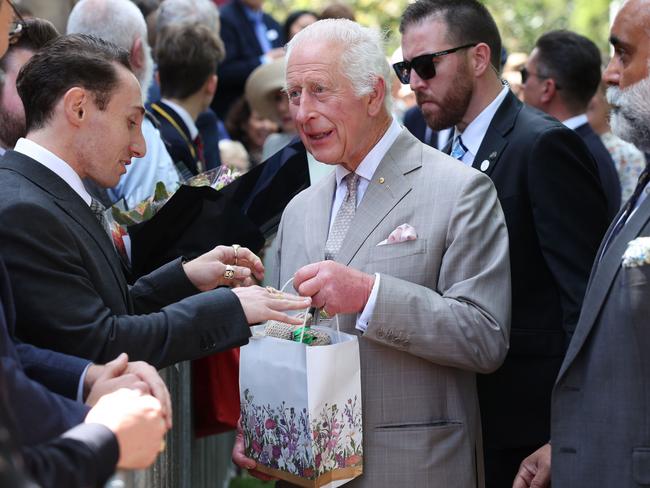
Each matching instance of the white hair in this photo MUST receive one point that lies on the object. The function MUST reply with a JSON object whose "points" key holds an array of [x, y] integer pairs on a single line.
{"points": [[116, 21], [362, 61], [119, 22], [188, 11]]}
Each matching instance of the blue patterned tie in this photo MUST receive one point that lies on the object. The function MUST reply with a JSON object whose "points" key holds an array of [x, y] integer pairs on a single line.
{"points": [[458, 150]]}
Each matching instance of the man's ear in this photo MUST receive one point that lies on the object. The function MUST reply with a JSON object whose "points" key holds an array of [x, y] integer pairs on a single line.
{"points": [[377, 97], [481, 58], [549, 91], [75, 105], [210, 85], [137, 55]]}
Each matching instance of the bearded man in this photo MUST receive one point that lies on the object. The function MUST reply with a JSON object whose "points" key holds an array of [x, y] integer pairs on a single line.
{"points": [[600, 413], [554, 205]]}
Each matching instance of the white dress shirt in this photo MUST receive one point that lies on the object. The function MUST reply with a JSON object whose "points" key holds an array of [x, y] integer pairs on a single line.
{"points": [[474, 133], [575, 122], [365, 170], [185, 117], [55, 164]]}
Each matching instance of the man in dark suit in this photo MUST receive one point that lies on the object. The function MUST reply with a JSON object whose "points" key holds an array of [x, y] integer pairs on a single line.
{"points": [[553, 202], [84, 110], [183, 49], [415, 123], [561, 76], [251, 37], [601, 407]]}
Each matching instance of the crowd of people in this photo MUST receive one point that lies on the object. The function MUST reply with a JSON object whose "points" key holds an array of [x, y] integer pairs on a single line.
{"points": [[489, 248]]}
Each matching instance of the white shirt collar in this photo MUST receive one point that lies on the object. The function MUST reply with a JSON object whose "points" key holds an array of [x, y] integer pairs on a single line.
{"points": [[185, 117], [576, 121], [55, 164], [369, 164], [475, 132]]}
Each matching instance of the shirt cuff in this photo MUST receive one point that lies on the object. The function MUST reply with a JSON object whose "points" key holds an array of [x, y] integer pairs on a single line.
{"points": [[364, 317], [80, 388]]}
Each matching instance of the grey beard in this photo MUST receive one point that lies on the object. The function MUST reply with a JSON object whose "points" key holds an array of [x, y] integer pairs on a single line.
{"points": [[630, 115]]}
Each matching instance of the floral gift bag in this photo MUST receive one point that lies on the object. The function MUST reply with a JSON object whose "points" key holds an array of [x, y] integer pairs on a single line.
{"points": [[301, 407]]}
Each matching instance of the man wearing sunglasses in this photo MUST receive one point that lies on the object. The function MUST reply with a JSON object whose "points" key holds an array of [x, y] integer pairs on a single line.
{"points": [[561, 76], [553, 201]]}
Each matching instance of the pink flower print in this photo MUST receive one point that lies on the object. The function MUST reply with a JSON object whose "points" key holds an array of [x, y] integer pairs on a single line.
{"points": [[270, 424]]}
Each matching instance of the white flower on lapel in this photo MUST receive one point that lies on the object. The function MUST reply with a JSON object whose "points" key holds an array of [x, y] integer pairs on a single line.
{"points": [[637, 253], [402, 233]]}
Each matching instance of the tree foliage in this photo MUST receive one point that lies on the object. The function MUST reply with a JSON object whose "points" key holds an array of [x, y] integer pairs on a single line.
{"points": [[520, 21]]}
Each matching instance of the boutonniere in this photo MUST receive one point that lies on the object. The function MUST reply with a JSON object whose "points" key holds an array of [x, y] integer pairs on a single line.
{"points": [[637, 253]]}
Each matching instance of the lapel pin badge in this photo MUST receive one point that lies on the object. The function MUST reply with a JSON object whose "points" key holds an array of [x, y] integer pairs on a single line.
{"points": [[485, 165], [493, 156], [381, 180]]}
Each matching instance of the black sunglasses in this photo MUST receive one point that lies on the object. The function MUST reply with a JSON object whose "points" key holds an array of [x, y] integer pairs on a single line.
{"points": [[423, 64], [17, 26], [525, 75]]}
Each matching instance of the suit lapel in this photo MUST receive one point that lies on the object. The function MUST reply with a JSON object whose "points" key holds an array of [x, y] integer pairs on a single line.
{"points": [[495, 139], [603, 275], [72, 204], [404, 156]]}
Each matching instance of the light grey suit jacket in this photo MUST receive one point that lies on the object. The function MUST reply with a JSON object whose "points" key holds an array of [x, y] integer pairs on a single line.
{"points": [[600, 412], [442, 312]]}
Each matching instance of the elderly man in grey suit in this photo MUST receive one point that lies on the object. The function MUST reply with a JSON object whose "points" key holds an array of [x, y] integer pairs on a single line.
{"points": [[600, 413], [416, 262]]}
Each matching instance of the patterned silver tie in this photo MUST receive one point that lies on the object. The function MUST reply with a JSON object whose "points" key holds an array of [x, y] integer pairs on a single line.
{"points": [[98, 210], [343, 218]]}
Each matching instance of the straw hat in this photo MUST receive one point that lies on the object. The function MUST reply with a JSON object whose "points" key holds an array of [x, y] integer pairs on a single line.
{"points": [[261, 86]]}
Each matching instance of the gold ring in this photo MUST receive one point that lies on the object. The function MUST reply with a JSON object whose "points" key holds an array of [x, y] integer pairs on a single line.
{"points": [[235, 247], [162, 446], [229, 274]]}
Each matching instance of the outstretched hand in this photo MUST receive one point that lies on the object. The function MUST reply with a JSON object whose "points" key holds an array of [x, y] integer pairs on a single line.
{"points": [[208, 271], [262, 304]]}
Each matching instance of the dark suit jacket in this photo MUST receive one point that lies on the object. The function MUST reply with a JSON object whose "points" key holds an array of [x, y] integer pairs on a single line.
{"points": [[415, 123], [40, 414], [601, 400], [556, 214], [606, 168], [34, 421], [180, 147], [71, 294], [243, 53]]}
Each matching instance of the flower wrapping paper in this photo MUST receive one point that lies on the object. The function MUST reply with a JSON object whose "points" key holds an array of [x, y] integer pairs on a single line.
{"points": [[301, 408]]}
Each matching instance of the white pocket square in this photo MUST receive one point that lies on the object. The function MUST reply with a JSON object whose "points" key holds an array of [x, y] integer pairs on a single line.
{"points": [[404, 232], [637, 253]]}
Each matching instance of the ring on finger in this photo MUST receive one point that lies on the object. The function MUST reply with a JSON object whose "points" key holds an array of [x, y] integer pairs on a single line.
{"points": [[229, 274]]}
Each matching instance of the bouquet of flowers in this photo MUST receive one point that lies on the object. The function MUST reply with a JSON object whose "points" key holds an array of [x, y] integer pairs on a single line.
{"points": [[215, 178]]}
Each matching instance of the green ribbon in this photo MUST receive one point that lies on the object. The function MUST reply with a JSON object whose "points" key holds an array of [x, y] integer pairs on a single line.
{"points": [[307, 338]]}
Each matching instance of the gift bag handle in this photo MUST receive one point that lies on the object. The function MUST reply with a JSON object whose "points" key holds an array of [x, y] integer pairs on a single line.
{"points": [[315, 312]]}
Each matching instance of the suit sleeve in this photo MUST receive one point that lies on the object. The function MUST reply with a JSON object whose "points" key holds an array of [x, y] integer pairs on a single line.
{"points": [[60, 306], [58, 372], [569, 212], [84, 456], [464, 322]]}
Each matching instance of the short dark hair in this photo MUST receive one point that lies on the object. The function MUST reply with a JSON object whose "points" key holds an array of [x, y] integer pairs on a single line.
{"points": [[574, 62], [68, 61], [36, 33], [467, 21], [187, 55]]}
